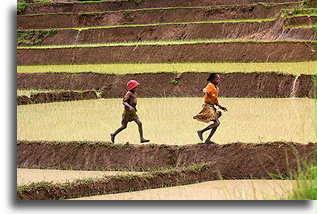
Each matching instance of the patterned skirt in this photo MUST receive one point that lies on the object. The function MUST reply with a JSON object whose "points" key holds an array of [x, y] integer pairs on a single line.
{"points": [[207, 114]]}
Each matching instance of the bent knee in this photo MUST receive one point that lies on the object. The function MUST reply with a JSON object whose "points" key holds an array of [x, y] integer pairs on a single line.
{"points": [[219, 114], [216, 123]]}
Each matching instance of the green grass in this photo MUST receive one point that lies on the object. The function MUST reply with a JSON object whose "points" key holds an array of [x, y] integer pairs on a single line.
{"points": [[33, 37], [299, 26], [161, 43], [304, 179], [299, 12], [21, 7], [305, 186], [294, 68], [271, 4]]}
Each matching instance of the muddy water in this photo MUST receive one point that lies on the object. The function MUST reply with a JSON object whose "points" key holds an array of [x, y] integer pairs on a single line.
{"points": [[27, 176], [212, 190], [169, 120]]}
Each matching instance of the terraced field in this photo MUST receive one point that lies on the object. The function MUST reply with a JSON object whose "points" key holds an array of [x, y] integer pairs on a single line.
{"points": [[94, 120], [85, 52], [210, 190]]}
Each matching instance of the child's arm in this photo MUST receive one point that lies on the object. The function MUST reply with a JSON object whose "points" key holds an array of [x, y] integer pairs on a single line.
{"points": [[125, 103], [128, 106], [222, 107]]}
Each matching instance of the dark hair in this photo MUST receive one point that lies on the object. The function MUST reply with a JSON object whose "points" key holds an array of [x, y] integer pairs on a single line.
{"points": [[212, 76]]}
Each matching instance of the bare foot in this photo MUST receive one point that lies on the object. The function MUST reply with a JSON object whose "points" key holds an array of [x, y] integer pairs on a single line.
{"points": [[209, 142], [200, 135], [144, 140], [112, 137]]}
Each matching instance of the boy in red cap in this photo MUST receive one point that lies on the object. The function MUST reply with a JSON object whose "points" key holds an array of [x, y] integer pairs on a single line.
{"points": [[209, 112], [129, 113]]}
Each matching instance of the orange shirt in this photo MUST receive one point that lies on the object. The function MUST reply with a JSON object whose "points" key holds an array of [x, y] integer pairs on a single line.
{"points": [[212, 97]]}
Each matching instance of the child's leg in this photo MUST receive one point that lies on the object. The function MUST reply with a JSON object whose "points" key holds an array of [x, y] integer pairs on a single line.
{"points": [[139, 123], [213, 130], [211, 126], [113, 135]]}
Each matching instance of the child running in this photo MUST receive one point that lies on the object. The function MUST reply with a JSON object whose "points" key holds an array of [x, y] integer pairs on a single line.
{"points": [[129, 113], [209, 112]]}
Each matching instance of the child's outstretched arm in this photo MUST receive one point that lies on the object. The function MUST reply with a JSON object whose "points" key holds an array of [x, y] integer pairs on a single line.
{"points": [[222, 107]]}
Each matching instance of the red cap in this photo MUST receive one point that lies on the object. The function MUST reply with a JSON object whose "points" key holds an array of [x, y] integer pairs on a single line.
{"points": [[132, 84]]}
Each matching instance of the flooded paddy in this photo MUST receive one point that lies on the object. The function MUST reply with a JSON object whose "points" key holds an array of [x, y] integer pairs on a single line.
{"points": [[211, 190], [27, 176], [169, 120]]}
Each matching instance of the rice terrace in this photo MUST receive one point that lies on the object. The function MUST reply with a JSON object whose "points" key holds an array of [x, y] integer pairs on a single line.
{"points": [[75, 58]]}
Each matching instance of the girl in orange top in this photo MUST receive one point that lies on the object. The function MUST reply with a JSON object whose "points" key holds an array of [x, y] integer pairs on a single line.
{"points": [[209, 112]]}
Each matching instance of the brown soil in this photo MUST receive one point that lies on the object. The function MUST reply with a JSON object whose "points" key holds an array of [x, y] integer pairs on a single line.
{"points": [[298, 34], [217, 52], [50, 191], [301, 20], [253, 11], [159, 84], [115, 184], [235, 160], [112, 6], [46, 97], [242, 30]]}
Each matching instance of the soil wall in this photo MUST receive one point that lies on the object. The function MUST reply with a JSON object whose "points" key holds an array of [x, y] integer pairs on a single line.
{"points": [[242, 30], [109, 185], [203, 52], [300, 20], [46, 97], [160, 84], [232, 160], [123, 5], [253, 11]]}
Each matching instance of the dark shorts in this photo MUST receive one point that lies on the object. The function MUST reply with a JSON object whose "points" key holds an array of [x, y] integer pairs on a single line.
{"points": [[128, 116]]}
